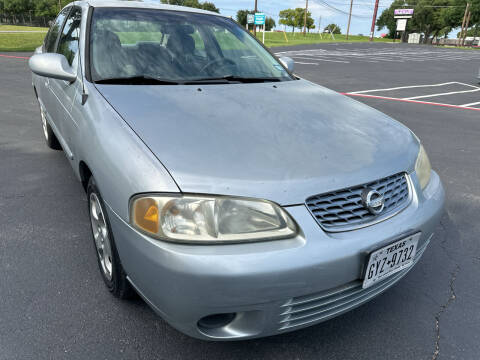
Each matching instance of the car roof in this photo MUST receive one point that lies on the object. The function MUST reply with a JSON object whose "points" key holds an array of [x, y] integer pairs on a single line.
{"points": [[142, 5]]}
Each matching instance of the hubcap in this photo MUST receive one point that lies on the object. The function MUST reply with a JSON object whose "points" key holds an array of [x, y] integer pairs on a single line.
{"points": [[44, 124], [101, 236]]}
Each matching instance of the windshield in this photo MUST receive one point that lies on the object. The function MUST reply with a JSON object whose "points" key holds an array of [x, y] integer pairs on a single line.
{"points": [[173, 47]]}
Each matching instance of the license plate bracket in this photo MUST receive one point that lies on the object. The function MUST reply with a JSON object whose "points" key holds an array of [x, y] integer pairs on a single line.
{"points": [[390, 259]]}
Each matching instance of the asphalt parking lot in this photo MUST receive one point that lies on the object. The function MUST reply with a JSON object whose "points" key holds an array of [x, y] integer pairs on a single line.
{"points": [[53, 303]]}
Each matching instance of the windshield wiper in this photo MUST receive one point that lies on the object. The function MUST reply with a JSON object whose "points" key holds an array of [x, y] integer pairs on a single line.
{"points": [[137, 80], [231, 78]]}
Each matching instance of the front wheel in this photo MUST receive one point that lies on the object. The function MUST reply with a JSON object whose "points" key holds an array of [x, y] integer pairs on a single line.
{"points": [[109, 263], [50, 138]]}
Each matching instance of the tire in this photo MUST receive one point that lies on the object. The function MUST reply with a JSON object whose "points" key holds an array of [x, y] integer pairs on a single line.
{"points": [[49, 135], [108, 260]]}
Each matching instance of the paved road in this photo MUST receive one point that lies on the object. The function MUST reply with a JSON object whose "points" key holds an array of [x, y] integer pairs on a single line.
{"points": [[52, 300]]}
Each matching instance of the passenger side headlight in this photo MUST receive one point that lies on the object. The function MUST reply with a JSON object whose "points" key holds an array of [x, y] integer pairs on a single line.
{"points": [[210, 219], [423, 168]]}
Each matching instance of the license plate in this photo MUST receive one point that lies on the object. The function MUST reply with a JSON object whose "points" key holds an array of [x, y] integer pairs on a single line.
{"points": [[390, 259]]}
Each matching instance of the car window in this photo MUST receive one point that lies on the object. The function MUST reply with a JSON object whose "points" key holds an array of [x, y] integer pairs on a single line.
{"points": [[52, 36], [175, 45], [68, 43]]}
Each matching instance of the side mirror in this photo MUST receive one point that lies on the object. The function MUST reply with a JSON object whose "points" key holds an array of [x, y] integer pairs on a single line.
{"points": [[53, 66], [288, 63]]}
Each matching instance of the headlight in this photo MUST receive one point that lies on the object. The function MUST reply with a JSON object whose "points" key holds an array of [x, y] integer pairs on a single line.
{"points": [[423, 167], [210, 219]]}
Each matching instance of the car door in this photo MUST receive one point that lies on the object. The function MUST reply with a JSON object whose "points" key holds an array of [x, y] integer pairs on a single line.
{"points": [[42, 84], [65, 91]]}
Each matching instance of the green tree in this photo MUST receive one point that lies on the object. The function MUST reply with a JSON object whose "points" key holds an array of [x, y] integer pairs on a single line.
{"points": [[194, 4], [432, 18], [334, 28], [242, 16], [49, 8], [387, 20], [310, 23], [455, 15], [17, 6], [300, 19], [210, 7], [269, 23], [287, 18]]}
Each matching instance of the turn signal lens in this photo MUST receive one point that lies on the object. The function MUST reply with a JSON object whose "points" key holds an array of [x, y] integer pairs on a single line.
{"points": [[210, 219], [145, 214]]}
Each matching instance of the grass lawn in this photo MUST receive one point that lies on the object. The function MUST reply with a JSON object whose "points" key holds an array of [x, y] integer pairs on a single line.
{"points": [[28, 42], [21, 28], [21, 41], [273, 39]]}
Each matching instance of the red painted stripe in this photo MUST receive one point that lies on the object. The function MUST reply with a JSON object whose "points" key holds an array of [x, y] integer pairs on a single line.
{"points": [[14, 57], [413, 101]]}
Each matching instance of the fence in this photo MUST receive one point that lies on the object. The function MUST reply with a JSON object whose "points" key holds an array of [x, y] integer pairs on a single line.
{"points": [[27, 19], [469, 41]]}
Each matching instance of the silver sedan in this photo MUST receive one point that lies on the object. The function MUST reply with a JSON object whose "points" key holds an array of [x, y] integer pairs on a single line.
{"points": [[236, 198]]}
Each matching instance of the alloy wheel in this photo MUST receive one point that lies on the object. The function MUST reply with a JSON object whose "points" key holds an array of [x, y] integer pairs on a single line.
{"points": [[101, 236], [44, 124]]}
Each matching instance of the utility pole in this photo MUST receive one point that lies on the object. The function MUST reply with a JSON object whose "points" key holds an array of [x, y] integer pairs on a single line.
{"points": [[349, 18], [254, 25], [372, 31], [463, 23], [320, 27], [59, 6], [466, 28], [305, 19]]}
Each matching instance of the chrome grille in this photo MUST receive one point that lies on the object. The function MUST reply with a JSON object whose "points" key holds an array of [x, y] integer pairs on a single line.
{"points": [[343, 210], [308, 309]]}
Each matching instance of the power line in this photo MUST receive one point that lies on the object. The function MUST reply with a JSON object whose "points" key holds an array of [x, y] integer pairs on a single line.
{"points": [[327, 5]]}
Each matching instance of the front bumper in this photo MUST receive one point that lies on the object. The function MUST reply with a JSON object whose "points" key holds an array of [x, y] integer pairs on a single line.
{"points": [[275, 286]]}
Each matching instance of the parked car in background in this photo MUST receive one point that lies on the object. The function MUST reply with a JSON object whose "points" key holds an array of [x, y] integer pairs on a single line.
{"points": [[236, 198]]}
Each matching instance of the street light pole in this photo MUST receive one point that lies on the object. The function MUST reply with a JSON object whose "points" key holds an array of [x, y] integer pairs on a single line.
{"points": [[349, 18], [372, 31]]}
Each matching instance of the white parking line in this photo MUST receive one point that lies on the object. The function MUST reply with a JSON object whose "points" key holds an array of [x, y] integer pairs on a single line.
{"points": [[473, 86], [404, 87], [442, 94], [384, 55], [319, 59], [305, 63], [414, 99], [471, 104]]}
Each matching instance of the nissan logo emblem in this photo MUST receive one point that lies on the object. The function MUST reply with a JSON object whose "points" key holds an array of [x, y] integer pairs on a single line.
{"points": [[373, 201]]}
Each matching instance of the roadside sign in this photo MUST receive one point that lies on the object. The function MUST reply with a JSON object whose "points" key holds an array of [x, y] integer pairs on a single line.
{"points": [[403, 13], [250, 19], [401, 24], [259, 19]]}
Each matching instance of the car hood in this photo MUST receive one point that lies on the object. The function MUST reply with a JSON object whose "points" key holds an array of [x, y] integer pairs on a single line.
{"points": [[278, 141]]}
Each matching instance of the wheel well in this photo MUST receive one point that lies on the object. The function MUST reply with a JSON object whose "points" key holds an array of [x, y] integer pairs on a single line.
{"points": [[85, 174]]}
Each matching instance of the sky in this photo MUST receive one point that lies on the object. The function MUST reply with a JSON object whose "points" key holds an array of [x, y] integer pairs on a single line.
{"points": [[361, 15]]}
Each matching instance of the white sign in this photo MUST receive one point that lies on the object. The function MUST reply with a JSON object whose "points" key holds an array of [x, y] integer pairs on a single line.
{"points": [[401, 24], [250, 19]]}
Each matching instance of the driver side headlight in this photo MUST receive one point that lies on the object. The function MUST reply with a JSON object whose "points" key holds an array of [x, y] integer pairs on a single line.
{"points": [[423, 168], [210, 219]]}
